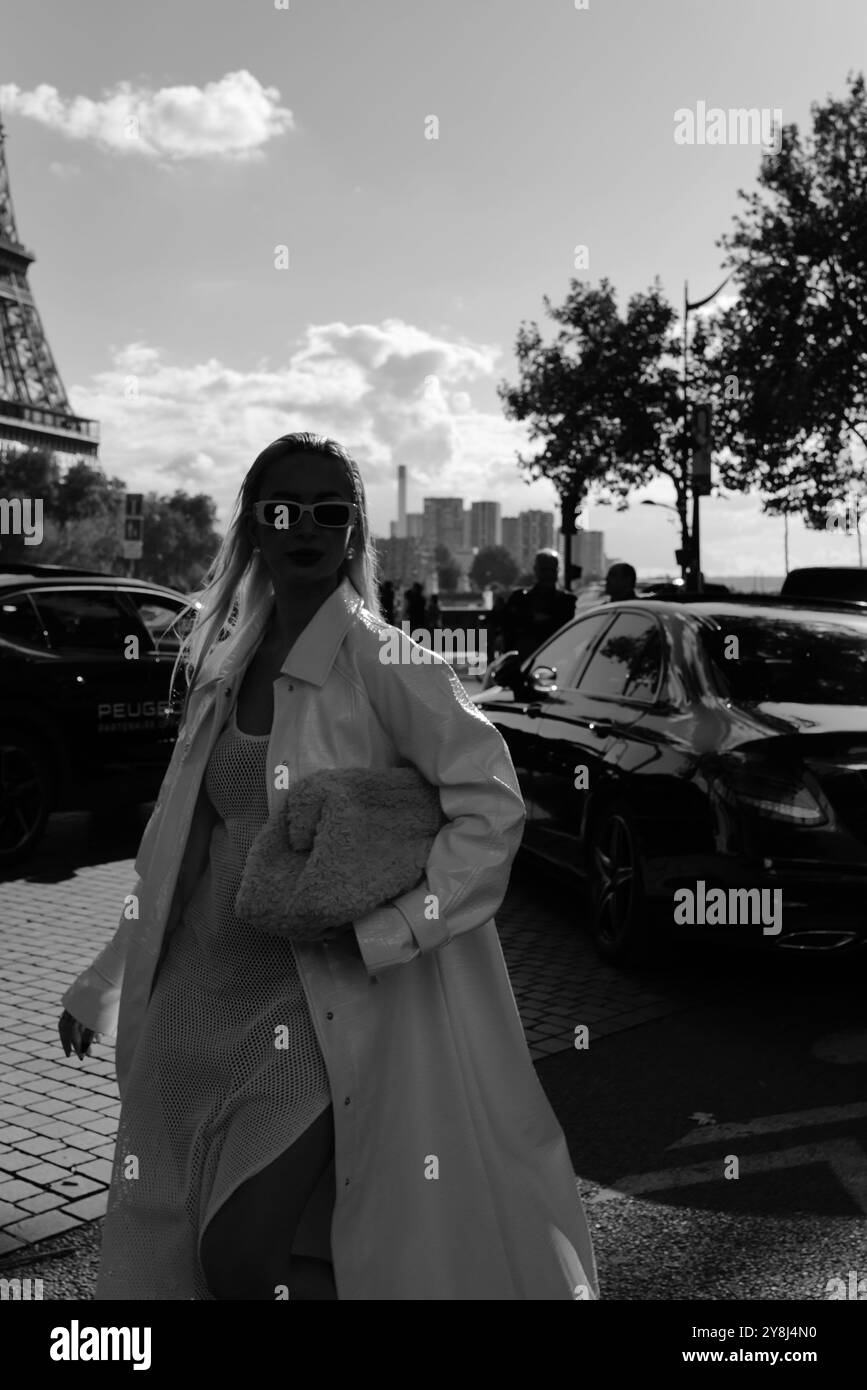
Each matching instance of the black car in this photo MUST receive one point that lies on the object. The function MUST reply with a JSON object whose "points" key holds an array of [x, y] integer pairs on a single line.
{"points": [[672, 750], [832, 582], [86, 719]]}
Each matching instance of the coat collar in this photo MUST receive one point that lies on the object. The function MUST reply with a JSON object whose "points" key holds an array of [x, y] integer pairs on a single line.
{"points": [[315, 651]]}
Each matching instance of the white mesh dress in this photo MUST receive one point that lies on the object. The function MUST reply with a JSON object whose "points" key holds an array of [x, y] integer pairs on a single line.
{"points": [[210, 1100]]}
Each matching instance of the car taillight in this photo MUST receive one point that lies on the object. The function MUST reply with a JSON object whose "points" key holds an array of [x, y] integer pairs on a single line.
{"points": [[775, 795]]}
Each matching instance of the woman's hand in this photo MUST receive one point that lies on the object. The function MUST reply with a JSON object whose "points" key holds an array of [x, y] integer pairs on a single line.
{"points": [[74, 1036]]}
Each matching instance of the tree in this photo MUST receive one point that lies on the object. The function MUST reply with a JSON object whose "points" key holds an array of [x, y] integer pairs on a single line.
{"points": [[493, 565], [794, 345], [179, 538], [605, 398]]}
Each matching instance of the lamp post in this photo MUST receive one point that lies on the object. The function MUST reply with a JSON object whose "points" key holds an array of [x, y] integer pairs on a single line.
{"points": [[695, 541]]}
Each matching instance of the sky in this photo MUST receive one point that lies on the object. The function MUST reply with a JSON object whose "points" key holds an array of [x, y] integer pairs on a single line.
{"points": [[258, 216]]}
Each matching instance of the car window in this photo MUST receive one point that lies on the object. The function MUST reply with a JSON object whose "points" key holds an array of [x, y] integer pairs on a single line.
{"points": [[628, 661], [19, 621], [85, 620], [567, 650], [159, 613], [787, 660], [645, 671]]}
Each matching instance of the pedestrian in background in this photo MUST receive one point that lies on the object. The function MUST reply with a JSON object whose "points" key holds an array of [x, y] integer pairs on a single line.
{"points": [[620, 582], [531, 616], [433, 613], [386, 600]]}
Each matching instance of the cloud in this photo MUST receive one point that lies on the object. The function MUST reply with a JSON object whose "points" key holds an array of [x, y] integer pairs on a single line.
{"points": [[231, 118], [64, 170], [390, 392]]}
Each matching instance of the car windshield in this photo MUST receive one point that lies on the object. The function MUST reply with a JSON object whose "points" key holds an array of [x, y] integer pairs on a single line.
{"points": [[780, 660]]}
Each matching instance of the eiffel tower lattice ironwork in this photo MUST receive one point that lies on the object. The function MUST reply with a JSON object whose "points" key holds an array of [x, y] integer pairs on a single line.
{"points": [[34, 408]]}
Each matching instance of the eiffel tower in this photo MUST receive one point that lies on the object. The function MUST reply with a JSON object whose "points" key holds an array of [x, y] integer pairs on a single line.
{"points": [[34, 408]]}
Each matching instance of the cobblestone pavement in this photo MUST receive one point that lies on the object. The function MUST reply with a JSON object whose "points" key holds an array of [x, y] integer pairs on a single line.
{"points": [[58, 1116]]}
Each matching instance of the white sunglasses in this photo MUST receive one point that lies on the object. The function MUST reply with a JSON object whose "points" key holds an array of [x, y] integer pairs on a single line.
{"points": [[282, 515]]}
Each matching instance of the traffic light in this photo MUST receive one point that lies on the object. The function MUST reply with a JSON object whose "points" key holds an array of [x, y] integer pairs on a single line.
{"points": [[701, 438]]}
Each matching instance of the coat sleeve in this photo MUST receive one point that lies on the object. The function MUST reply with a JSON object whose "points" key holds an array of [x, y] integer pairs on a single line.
{"points": [[434, 725], [94, 998]]}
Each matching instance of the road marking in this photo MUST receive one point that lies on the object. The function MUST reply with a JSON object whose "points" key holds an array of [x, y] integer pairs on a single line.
{"points": [[773, 1124], [845, 1157]]}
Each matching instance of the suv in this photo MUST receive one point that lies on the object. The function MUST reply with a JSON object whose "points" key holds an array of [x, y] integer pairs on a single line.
{"points": [[82, 725]]}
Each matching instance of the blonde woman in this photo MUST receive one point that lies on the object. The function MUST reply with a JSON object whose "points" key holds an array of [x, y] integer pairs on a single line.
{"points": [[400, 1146]]}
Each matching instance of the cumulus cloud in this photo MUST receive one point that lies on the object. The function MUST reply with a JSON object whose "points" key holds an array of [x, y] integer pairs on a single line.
{"points": [[390, 392], [232, 118]]}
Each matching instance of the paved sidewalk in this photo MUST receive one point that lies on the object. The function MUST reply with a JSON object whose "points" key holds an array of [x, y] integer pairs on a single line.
{"points": [[58, 1116]]}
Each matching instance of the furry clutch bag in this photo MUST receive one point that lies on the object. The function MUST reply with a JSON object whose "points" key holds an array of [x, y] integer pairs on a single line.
{"points": [[342, 843]]}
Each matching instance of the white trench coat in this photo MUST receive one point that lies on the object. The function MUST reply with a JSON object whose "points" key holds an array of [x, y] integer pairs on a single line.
{"points": [[452, 1175]]}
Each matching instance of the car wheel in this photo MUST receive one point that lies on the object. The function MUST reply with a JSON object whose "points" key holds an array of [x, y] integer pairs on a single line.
{"points": [[26, 794], [619, 904]]}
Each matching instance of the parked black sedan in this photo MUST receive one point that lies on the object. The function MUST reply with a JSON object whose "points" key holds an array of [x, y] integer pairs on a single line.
{"points": [[704, 763], [87, 719]]}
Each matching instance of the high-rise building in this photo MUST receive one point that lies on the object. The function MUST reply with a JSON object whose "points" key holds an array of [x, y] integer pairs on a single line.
{"points": [[485, 525], [511, 536], [589, 553], [403, 561], [535, 532], [444, 522], [414, 525]]}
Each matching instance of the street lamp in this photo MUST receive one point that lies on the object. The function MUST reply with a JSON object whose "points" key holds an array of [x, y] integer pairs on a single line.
{"points": [[646, 502]]}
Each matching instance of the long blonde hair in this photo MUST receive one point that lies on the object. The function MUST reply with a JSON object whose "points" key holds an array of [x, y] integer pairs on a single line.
{"points": [[238, 582]]}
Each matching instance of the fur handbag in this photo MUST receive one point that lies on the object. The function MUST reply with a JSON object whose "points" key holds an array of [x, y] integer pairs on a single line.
{"points": [[342, 843]]}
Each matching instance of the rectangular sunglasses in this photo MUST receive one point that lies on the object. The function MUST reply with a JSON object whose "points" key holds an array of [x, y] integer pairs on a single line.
{"points": [[282, 514]]}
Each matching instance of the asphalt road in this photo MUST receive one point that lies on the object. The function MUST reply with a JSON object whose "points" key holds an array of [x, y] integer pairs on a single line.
{"points": [[764, 1078]]}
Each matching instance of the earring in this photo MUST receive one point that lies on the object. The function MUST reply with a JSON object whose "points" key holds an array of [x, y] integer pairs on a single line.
{"points": [[350, 552]]}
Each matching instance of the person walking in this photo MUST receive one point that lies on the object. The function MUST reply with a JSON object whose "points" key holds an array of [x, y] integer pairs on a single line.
{"points": [[386, 600], [401, 1145], [530, 616], [416, 605], [620, 582], [433, 613]]}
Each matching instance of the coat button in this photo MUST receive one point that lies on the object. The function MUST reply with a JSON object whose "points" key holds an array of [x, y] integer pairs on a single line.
{"points": [[329, 1015], [346, 1182], [346, 1101]]}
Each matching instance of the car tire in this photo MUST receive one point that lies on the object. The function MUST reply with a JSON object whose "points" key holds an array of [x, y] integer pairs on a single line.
{"points": [[27, 785], [620, 908]]}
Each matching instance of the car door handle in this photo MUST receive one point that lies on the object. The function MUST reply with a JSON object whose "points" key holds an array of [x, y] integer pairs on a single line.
{"points": [[600, 727]]}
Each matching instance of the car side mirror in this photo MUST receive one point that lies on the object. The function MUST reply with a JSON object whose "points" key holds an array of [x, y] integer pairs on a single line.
{"points": [[543, 680]]}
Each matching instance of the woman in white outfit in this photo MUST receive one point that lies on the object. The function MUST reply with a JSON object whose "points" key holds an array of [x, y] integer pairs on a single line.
{"points": [[410, 1114]]}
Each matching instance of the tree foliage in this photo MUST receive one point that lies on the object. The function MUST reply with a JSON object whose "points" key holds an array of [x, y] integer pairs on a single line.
{"points": [[83, 512], [796, 339], [493, 564]]}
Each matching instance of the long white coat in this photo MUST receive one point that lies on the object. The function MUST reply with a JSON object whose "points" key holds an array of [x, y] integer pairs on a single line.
{"points": [[452, 1175]]}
